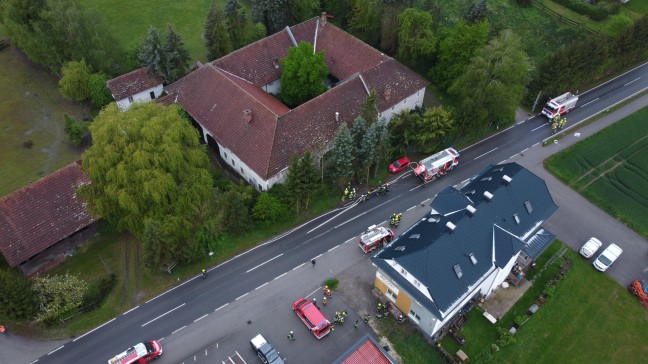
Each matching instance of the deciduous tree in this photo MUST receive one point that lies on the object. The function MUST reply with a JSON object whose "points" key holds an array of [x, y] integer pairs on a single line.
{"points": [[58, 295], [268, 208], [18, 300], [74, 84], [456, 50], [416, 39], [493, 84], [217, 37], [364, 20], [76, 130], [235, 205], [147, 167], [99, 93], [303, 74], [431, 129]]}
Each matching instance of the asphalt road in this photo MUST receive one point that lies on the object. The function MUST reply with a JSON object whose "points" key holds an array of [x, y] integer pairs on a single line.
{"points": [[228, 285]]}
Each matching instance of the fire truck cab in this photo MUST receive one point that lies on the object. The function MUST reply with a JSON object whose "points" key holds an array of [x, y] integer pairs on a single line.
{"points": [[437, 165], [138, 354], [374, 238]]}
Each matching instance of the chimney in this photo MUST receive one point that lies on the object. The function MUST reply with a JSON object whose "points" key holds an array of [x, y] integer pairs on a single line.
{"points": [[488, 195], [323, 19], [337, 116], [276, 63], [507, 179], [247, 115], [471, 210], [387, 92], [451, 226]]}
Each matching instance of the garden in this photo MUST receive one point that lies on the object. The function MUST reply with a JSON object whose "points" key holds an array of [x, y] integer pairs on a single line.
{"points": [[610, 169]]}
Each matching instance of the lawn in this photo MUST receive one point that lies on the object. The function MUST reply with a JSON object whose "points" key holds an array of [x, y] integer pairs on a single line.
{"points": [[610, 168], [130, 20], [590, 318], [32, 140]]}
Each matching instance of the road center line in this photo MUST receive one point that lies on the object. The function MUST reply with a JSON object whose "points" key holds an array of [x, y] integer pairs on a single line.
{"points": [[200, 318], [267, 261], [178, 329], [585, 104], [55, 350], [164, 314], [541, 126], [492, 150], [632, 81], [95, 329]]}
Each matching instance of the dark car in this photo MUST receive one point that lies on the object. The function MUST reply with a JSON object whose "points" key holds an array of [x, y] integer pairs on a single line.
{"points": [[399, 165]]}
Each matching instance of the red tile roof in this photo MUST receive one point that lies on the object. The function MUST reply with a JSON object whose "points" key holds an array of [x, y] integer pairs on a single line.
{"points": [[216, 95], [131, 83], [366, 351], [41, 214]]}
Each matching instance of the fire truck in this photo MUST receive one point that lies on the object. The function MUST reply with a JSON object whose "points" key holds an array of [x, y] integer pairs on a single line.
{"points": [[138, 354], [560, 105], [374, 238], [437, 165]]}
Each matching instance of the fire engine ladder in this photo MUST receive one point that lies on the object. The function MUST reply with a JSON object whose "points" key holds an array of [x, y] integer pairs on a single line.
{"points": [[235, 359], [372, 236]]}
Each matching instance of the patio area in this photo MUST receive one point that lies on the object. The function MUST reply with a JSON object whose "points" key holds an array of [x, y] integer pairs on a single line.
{"points": [[501, 301]]}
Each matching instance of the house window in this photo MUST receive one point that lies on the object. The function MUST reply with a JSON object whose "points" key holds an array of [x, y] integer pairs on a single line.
{"points": [[152, 95], [392, 108], [242, 171], [260, 187], [233, 163], [130, 99], [414, 315], [225, 154], [403, 272], [391, 294], [417, 283], [404, 102]]}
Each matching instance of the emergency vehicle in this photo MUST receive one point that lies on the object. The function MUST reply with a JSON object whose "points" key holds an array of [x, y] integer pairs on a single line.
{"points": [[560, 105], [312, 317], [437, 165], [138, 354], [374, 238]]}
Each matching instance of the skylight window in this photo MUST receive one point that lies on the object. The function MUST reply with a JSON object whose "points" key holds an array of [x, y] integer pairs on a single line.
{"points": [[486, 178], [415, 236], [516, 218], [473, 260], [457, 270], [400, 248], [528, 206]]}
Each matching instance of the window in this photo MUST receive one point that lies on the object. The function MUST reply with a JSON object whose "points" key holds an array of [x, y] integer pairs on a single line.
{"points": [[242, 171], [417, 283], [528, 206], [225, 154], [260, 187], [130, 99], [233, 163], [404, 272], [414, 315], [391, 294], [152, 95]]}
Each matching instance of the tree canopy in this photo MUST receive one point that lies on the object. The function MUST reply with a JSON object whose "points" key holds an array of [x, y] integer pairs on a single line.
{"points": [[75, 82], [152, 55], [147, 167], [177, 55], [364, 20], [302, 75], [217, 37], [342, 155], [493, 84], [416, 39]]}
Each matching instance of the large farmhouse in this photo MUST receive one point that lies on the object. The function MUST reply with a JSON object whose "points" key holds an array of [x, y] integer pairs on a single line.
{"points": [[466, 246], [231, 99]]}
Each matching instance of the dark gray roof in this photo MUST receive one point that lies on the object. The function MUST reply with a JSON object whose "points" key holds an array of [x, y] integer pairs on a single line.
{"points": [[491, 236], [538, 243]]}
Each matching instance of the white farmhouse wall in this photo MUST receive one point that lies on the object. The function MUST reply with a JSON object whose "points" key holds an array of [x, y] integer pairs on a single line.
{"points": [[273, 87], [409, 103], [142, 97]]}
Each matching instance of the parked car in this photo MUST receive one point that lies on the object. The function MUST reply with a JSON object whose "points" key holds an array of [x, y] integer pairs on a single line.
{"points": [[592, 245], [399, 165], [607, 257], [265, 351]]}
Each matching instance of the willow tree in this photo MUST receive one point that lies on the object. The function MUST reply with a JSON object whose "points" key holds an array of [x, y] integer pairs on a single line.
{"points": [[147, 169]]}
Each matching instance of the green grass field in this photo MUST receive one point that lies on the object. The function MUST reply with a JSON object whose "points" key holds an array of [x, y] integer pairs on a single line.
{"points": [[590, 318], [611, 169], [130, 20], [31, 109]]}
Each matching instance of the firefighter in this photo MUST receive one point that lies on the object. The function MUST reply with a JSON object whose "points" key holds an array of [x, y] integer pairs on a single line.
{"points": [[346, 194], [352, 194], [554, 126], [366, 318], [563, 121], [355, 325], [324, 300]]}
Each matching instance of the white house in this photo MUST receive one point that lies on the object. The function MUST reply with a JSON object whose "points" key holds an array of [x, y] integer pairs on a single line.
{"points": [[135, 86], [466, 246], [231, 99]]}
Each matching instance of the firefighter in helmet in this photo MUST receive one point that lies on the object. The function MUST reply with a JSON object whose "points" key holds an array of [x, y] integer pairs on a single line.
{"points": [[563, 121], [554, 126]]}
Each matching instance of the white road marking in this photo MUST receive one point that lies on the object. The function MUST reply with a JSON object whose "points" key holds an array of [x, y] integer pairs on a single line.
{"points": [[317, 256], [34, 361], [261, 286], [160, 339], [299, 266], [535, 144], [132, 309], [221, 307], [524, 150], [55, 350], [502, 162], [312, 293], [419, 186], [96, 328], [492, 150], [267, 261], [200, 318], [587, 103], [333, 248], [164, 314], [241, 296], [178, 329], [280, 276], [632, 81], [541, 126], [411, 208]]}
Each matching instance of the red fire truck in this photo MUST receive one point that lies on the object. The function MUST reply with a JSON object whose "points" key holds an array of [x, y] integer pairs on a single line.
{"points": [[374, 238], [138, 354], [312, 317], [560, 105], [437, 165]]}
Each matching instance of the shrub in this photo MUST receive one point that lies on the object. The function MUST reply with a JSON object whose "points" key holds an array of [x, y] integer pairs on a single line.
{"points": [[98, 290], [99, 92], [17, 297], [332, 283], [506, 337], [524, 3], [520, 320], [595, 12], [268, 208], [76, 130]]}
